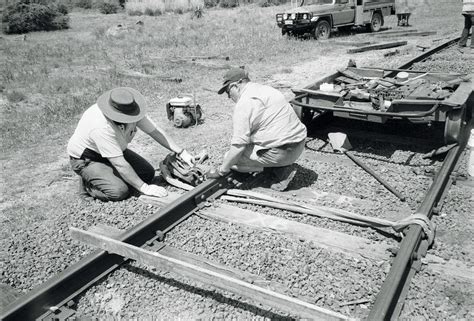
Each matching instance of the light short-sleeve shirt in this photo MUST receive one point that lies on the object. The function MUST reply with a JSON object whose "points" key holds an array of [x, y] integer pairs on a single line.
{"points": [[98, 133], [468, 6], [263, 117]]}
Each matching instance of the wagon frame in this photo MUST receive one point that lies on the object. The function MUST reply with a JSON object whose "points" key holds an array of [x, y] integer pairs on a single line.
{"points": [[451, 110]]}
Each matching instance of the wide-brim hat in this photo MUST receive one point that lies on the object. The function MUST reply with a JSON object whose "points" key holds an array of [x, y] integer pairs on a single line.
{"points": [[123, 105], [233, 75]]}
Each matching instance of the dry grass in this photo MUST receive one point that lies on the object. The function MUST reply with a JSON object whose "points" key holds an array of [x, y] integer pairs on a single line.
{"points": [[162, 5], [59, 74]]}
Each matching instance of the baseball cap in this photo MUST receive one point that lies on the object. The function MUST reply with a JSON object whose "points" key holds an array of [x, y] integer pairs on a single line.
{"points": [[233, 75]]}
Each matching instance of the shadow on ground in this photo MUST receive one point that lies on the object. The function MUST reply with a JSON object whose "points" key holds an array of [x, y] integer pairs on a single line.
{"points": [[304, 177]]}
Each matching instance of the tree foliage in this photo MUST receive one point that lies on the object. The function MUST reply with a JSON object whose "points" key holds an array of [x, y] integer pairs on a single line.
{"points": [[23, 16]]}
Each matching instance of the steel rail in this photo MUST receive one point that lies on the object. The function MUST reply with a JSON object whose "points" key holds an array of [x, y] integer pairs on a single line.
{"points": [[424, 56], [60, 289], [390, 299], [399, 275]]}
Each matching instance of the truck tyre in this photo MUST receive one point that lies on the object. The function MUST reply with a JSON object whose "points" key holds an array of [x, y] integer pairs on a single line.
{"points": [[376, 22], [322, 31]]}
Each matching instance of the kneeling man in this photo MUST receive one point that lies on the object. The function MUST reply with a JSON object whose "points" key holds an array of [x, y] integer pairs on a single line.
{"points": [[98, 148], [266, 131]]}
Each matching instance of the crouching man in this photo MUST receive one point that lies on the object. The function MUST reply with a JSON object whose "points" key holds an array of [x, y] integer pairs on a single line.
{"points": [[98, 148], [266, 131]]}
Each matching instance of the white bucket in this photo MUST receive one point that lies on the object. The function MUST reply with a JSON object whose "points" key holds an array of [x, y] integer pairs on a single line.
{"points": [[326, 87]]}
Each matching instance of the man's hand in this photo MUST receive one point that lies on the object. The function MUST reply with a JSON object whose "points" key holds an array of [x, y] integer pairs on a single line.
{"points": [[215, 173], [187, 158], [153, 190]]}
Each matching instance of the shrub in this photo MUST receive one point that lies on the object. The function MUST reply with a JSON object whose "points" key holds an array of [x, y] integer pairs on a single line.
{"points": [[84, 4], [25, 16], [152, 12], [268, 3], [134, 13], [149, 12], [229, 3], [61, 8], [61, 22], [108, 7], [210, 3], [197, 13]]}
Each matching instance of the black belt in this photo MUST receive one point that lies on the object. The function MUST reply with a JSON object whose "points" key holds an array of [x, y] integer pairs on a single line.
{"points": [[90, 155]]}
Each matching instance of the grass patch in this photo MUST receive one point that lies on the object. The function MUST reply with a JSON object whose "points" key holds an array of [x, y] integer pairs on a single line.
{"points": [[152, 7]]}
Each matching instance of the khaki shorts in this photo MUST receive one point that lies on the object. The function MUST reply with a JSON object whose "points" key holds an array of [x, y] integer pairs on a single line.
{"points": [[255, 159]]}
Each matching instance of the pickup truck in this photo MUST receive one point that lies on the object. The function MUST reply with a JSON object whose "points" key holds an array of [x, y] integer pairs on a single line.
{"points": [[319, 17]]}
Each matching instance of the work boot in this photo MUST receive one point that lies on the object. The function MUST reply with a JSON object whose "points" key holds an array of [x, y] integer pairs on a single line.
{"points": [[284, 175]]}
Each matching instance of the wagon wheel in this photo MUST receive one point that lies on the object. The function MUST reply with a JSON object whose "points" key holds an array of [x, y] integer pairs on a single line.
{"points": [[304, 114], [453, 125], [322, 30], [376, 22]]}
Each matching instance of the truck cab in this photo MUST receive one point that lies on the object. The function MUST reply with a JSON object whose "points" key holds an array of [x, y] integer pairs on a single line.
{"points": [[319, 17]]}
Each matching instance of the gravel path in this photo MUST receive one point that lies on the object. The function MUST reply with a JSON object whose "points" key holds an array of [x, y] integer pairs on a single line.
{"points": [[320, 276]]}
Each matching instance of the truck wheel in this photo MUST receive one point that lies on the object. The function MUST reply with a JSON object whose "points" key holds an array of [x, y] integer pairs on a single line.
{"points": [[376, 22], [322, 31]]}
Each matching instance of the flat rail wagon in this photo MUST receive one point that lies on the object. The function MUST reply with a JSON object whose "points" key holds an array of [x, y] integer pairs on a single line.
{"points": [[379, 95]]}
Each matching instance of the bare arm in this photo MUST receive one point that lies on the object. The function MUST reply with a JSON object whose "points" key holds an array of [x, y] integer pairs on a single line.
{"points": [[126, 171], [232, 157], [162, 138]]}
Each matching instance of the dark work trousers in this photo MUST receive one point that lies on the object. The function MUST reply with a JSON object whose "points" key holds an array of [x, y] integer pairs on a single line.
{"points": [[468, 21], [102, 181]]}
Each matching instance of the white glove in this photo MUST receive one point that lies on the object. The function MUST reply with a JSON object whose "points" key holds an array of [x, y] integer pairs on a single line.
{"points": [[187, 157], [153, 190]]}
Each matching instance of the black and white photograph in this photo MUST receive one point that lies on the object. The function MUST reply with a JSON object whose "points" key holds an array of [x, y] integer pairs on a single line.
{"points": [[236, 160]]}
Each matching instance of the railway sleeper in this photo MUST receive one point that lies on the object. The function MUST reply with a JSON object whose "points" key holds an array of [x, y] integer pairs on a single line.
{"points": [[207, 276]]}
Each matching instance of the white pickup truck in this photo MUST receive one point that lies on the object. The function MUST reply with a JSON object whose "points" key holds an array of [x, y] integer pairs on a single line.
{"points": [[319, 17]]}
